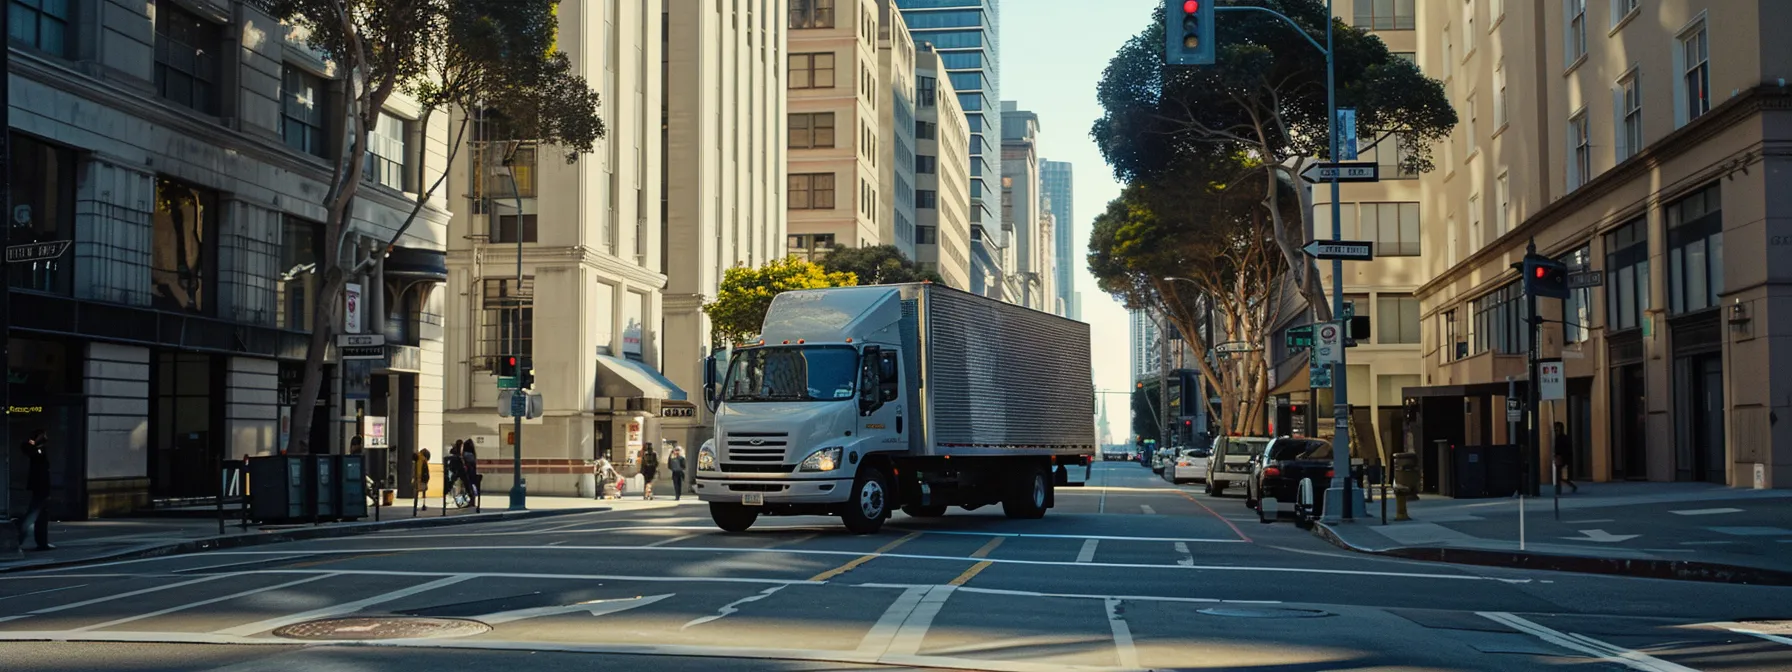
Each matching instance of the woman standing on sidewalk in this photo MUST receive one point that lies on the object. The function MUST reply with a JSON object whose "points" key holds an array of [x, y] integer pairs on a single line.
{"points": [[650, 466]]}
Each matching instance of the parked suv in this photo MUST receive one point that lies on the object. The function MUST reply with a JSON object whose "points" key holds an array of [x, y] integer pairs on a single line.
{"points": [[1231, 461]]}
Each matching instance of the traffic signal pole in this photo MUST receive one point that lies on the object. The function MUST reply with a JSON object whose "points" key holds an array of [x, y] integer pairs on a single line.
{"points": [[519, 492]]}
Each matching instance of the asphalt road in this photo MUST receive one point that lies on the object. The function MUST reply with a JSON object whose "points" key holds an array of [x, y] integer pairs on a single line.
{"points": [[1130, 573]]}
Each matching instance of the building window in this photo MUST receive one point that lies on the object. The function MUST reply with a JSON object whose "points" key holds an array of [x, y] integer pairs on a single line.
{"points": [[1499, 95], [43, 211], [301, 250], [811, 130], [1396, 319], [40, 24], [302, 111], [1629, 103], [812, 71], [1390, 153], [1501, 323], [1408, 56], [924, 91], [1453, 245], [1695, 62], [1468, 27], [926, 198], [1503, 218], [386, 153], [811, 191], [1385, 14], [1577, 29], [1474, 123], [1475, 237], [924, 130], [1696, 251], [1393, 226], [811, 14], [507, 324], [183, 251], [809, 247], [1449, 54], [927, 235], [1577, 309], [1447, 337], [1627, 275], [1580, 151], [188, 57], [504, 229], [926, 165], [1622, 9]]}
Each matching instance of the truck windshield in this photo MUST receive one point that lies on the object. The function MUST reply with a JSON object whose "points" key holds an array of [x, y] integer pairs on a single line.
{"points": [[820, 373]]}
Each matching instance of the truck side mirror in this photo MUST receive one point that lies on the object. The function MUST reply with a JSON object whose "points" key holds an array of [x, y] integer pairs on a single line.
{"points": [[712, 391], [870, 379]]}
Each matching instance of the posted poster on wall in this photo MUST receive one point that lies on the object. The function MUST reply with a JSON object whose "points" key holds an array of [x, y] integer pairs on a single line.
{"points": [[634, 442]]}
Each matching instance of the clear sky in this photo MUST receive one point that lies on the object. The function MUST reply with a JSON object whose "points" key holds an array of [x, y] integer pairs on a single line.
{"points": [[1053, 53]]}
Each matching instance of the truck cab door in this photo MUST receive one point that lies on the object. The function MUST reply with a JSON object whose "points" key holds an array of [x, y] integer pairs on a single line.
{"points": [[889, 421]]}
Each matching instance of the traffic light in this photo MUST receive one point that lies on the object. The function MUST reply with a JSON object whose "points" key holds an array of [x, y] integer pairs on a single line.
{"points": [[525, 372], [1358, 328], [1545, 277], [507, 366], [1188, 32]]}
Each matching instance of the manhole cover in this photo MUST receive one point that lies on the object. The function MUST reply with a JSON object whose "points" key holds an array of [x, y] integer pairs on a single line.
{"points": [[1252, 612], [382, 628]]}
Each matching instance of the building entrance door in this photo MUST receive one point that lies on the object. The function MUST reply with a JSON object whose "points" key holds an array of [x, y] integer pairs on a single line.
{"points": [[1629, 446], [1700, 405], [185, 423]]}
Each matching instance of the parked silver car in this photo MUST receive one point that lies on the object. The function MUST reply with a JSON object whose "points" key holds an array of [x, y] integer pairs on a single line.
{"points": [[1190, 464]]}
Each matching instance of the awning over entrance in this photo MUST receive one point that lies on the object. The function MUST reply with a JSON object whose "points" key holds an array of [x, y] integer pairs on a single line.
{"points": [[417, 264], [619, 377]]}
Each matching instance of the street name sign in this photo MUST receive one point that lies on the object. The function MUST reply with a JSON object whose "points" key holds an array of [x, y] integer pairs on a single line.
{"points": [[1299, 337], [1235, 346], [1328, 343], [1514, 410], [361, 346], [1584, 279], [29, 252], [1360, 171], [1319, 376], [1346, 250]]}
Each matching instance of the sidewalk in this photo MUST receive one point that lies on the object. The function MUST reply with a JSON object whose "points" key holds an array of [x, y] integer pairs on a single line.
{"points": [[1687, 531], [129, 538]]}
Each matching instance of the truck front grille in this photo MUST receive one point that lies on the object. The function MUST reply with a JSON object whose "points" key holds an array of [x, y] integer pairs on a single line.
{"points": [[757, 447]]}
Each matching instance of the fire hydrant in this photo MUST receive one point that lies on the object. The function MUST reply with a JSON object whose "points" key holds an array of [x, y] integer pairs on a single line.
{"points": [[1406, 482]]}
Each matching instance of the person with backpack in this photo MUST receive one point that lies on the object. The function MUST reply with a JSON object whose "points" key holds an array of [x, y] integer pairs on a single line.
{"points": [[650, 466]]}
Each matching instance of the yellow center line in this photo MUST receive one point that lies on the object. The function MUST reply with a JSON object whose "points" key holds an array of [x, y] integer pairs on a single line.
{"points": [[854, 564], [987, 548], [979, 567]]}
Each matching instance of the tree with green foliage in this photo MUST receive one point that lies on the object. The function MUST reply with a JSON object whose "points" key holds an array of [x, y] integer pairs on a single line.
{"points": [[738, 312], [494, 58], [1265, 98], [877, 265]]}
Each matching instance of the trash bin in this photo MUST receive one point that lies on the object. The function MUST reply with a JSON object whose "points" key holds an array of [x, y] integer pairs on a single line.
{"points": [[279, 492]]}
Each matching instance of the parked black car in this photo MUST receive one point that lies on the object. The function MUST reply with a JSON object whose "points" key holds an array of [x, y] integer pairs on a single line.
{"points": [[1276, 475]]}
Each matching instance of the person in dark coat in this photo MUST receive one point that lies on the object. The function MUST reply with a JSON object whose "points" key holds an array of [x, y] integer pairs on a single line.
{"points": [[37, 470], [677, 464], [650, 467], [1564, 450]]}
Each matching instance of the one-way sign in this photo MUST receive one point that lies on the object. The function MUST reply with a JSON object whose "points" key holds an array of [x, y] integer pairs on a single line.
{"points": [[1363, 171], [17, 254], [1347, 250]]}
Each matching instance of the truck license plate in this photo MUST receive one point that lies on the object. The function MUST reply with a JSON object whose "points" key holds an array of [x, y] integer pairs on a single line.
{"points": [[753, 499]]}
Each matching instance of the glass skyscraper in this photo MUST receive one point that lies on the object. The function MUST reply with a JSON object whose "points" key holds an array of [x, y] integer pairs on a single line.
{"points": [[965, 33], [1054, 177]]}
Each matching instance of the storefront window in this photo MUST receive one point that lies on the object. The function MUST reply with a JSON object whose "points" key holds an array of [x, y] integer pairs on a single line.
{"points": [[296, 290], [1695, 251], [1577, 310], [43, 200], [183, 251], [1627, 275]]}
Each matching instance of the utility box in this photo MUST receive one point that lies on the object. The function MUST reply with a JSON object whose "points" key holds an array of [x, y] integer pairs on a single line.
{"points": [[279, 492], [323, 479], [352, 486]]}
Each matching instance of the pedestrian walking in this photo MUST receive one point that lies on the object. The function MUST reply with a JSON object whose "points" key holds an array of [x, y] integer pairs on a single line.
{"points": [[1564, 451], [421, 481], [453, 472], [37, 470], [470, 470], [650, 466], [677, 465]]}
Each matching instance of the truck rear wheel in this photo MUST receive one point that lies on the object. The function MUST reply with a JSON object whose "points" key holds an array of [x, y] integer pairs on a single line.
{"points": [[1027, 502], [865, 512], [925, 511], [733, 517]]}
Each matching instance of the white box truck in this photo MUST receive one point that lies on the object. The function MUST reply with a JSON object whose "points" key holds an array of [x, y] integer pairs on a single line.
{"points": [[860, 400]]}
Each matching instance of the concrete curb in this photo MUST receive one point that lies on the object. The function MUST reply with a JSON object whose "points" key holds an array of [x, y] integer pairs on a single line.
{"points": [[326, 531], [1676, 570]]}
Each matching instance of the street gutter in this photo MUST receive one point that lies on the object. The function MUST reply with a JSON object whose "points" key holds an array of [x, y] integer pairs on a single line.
{"points": [[1675, 570], [328, 531]]}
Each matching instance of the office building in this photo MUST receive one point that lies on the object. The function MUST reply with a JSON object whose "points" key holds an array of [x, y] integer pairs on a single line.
{"points": [[178, 173], [835, 141], [966, 35], [1055, 179], [723, 171], [1027, 250], [896, 125], [942, 174], [589, 235]]}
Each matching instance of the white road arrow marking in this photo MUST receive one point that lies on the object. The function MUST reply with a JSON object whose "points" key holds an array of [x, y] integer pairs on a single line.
{"points": [[1602, 536], [734, 606], [594, 607]]}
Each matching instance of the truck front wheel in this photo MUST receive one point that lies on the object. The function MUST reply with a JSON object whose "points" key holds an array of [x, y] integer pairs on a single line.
{"points": [[1027, 502], [733, 517], [865, 512]]}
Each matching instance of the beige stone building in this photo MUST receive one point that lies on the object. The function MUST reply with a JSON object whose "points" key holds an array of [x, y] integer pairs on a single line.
{"points": [[942, 174], [835, 142], [724, 174], [896, 129], [589, 294], [1642, 140]]}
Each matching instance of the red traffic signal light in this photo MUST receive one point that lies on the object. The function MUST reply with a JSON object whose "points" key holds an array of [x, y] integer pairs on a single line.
{"points": [[1541, 272], [510, 360], [1191, 6]]}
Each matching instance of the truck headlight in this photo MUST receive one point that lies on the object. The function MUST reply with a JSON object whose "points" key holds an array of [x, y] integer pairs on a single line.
{"points": [[706, 457], [826, 459]]}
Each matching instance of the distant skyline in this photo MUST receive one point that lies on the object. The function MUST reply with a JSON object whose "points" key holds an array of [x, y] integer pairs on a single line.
{"points": [[1053, 54]]}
